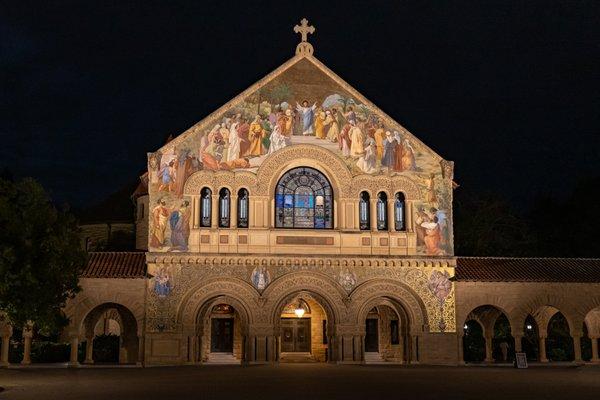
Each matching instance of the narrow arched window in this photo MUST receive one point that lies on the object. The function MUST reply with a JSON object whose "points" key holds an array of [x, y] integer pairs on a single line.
{"points": [[364, 212], [205, 207], [304, 199], [382, 223], [224, 204], [399, 212], [243, 206]]}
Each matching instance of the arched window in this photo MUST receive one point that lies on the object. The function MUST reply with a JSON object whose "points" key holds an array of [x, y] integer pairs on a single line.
{"points": [[364, 212], [382, 223], [303, 199], [243, 206], [205, 207], [399, 212], [224, 204]]}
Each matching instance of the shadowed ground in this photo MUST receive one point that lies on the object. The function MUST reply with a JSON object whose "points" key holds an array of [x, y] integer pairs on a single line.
{"points": [[301, 381]]}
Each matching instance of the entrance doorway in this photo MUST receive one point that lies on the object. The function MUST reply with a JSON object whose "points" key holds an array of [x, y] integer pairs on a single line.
{"points": [[372, 335], [221, 335], [295, 335]]}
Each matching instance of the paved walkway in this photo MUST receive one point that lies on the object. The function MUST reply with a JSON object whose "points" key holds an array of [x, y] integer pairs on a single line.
{"points": [[301, 381]]}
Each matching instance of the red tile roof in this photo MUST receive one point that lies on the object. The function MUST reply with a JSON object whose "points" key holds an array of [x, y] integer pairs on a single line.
{"points": [[115, 264], [496, 269], [468, 269]]}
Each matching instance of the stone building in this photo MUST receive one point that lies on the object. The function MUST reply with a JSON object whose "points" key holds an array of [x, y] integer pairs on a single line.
{"points": [[299, 222]]}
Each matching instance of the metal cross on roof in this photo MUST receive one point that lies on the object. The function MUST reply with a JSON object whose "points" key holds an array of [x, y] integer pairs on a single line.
{"points": [[304, 29]]}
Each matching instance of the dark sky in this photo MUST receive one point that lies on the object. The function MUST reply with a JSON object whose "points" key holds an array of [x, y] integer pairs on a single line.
{"points": [[508, 90]]}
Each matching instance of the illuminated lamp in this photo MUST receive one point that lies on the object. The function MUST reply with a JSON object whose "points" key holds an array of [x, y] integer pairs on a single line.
{"points": [[299, 311]]}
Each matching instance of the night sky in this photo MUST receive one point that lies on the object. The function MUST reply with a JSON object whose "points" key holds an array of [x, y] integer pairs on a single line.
{"points": [[508, 90]]}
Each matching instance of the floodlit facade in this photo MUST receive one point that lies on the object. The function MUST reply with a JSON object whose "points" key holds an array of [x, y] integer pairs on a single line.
{"points": [[299, 222]]}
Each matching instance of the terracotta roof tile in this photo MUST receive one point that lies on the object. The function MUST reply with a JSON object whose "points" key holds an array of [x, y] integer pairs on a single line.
{"points": [[115, 264], [497, 269]]}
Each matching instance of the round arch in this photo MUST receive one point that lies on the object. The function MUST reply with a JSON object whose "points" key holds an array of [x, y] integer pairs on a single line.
{"points": [[273, 168], [128, 342], [318, 287], [202, 338], [324, 289], [496, 341], [237, 290], [377, 289], [543, 308]]}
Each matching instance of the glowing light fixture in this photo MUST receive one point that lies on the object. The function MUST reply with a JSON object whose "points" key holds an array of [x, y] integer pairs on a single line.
{"points": [[465, 327], [529, 327], [299, 311]]}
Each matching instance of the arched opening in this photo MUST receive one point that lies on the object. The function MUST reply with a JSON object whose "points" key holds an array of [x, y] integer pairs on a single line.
{"points": [[205, 207], [224, 208], [530, 343], [399, 212], [473, 342], [243, 208], [503, 342], [304, 329], [487, 336], [382, 217], [364, 212], [107, 338], [559, 343], [221, 332], [386, 334], [303, 200], [111, 335]]}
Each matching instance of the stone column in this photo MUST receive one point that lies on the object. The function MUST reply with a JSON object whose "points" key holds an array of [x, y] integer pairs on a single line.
{"points": [[359, 354], [339, 218], [414, 354], [595, 358], [140, 357], [577, 347], [196, 211], [409, 216], [89, 350], [488, 350], [233, 201], [391, 215], [542, 346], [461, 352], [73, 362], [5, 347], [214, 215], [518, 342], [373, 210], [27, 336]]}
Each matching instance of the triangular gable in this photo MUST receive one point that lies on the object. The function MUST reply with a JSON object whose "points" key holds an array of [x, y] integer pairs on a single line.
{"points": [[216, 116]]}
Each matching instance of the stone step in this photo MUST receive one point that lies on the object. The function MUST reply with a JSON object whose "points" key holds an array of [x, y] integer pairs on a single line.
{"points": [[297, 358], [222, 359], [374, 358]]}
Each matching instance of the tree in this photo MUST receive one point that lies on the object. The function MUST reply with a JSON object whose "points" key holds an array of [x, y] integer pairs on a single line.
{"points": [[278, 94], [485, 225], [40, 256]]}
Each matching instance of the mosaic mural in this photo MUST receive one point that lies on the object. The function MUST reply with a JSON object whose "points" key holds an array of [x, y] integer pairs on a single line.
{"points": [[302, 105]]}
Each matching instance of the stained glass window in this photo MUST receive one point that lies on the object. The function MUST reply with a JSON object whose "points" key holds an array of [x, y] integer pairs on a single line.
{"points": [[399, 220], [243, 206], [224, 204], [304, 199], [381, 211], [364, 212], [205, 207]]}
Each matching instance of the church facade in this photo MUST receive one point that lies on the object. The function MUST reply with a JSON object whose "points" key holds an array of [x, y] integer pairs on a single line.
{"points": [[299, 222]]}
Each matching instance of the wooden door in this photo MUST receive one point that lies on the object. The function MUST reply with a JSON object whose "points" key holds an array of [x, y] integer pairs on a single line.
{"points": [[221, 338], [372, 336], [295, 335]]}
